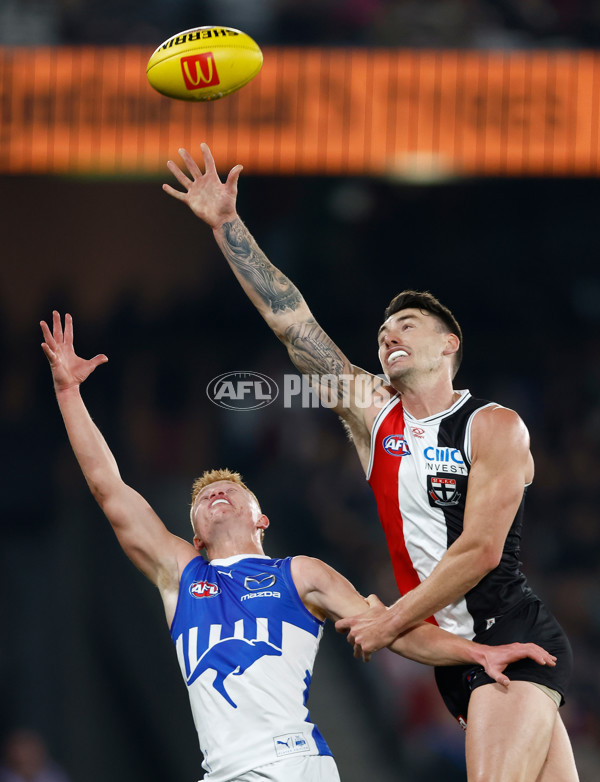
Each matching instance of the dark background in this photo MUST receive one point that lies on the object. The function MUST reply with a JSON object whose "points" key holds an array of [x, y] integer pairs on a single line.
{"points": [[85, 656]]}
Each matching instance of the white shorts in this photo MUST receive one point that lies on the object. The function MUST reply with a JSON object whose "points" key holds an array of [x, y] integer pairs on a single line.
{"points": [[313, 768]]}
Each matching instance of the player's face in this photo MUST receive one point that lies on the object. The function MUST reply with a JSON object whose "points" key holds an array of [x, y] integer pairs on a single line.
{"points": [[411, 342], [224, 503]]}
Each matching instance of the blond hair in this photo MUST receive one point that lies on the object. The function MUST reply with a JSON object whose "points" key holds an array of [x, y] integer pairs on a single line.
{"points": [[213, 476]]}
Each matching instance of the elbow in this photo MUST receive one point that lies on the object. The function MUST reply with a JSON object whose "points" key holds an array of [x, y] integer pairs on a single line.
{"points": [[488, 559], [479, 560], [102, 490], [99, 493]]}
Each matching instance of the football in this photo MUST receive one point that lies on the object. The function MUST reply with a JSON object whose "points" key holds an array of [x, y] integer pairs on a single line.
{"points": [[204, 63]]}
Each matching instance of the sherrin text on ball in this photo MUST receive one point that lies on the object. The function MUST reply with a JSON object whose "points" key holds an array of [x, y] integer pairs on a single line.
{"points": [[204, 63]]}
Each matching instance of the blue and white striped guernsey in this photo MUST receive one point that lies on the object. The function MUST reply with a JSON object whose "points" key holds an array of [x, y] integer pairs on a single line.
{"points": [[246, 646]]}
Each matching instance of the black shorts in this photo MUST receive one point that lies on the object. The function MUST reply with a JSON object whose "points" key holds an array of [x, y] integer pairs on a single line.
{"points": [[528, 622]]}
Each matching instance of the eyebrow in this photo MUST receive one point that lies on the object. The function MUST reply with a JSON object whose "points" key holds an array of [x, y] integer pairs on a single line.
{"points": [[383, 327]]}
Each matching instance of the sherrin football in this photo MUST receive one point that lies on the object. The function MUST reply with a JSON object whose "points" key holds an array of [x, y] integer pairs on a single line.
{"points": [[204, 63]]}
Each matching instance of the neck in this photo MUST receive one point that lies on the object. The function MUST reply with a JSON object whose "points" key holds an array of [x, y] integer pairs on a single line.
{"points": [[228, 549], [424, 400]]}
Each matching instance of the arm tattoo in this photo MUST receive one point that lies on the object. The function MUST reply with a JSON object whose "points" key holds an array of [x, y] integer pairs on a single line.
{"points": [[270, 284], [313, 352]]}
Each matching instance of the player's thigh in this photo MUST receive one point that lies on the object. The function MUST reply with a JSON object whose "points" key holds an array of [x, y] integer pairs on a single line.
{"points": [[560, 763], [509, 732]]}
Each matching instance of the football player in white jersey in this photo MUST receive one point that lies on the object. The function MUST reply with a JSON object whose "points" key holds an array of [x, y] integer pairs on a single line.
{"points": [[199, 596], [514, 737]]}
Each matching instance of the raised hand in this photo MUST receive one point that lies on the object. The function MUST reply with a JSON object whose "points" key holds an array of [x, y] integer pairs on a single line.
{"points": [[209, 199], [68, 369]]}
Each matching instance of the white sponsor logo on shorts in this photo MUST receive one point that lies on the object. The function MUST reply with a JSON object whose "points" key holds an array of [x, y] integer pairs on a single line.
{"points": [[290, 743]]}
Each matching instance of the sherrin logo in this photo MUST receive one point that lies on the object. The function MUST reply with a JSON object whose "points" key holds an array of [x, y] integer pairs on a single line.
{"points": [[204, 589], [396, 445], [199, 70]]}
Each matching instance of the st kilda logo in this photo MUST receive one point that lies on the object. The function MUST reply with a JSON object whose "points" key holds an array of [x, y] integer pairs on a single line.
{"points": [[443, 491]]}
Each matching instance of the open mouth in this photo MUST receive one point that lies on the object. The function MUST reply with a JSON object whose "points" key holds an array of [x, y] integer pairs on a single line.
{"points": [[396, 354]]}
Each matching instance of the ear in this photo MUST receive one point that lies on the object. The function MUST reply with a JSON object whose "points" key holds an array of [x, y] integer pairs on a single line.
{"points": [[263, 522], [452, 345], [198, 544]]}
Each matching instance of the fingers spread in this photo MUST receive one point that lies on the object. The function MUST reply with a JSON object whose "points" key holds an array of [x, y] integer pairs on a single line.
{"points": [[175, 193], [50, 354], [234, 175], [209, 161], [179, 175], [50, 341], [99, 359], [68, 329], [191, 164], [57, 326]]}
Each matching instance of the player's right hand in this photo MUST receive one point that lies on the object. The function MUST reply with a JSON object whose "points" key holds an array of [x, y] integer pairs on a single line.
{"points": [[209, 199], [68, 369]]}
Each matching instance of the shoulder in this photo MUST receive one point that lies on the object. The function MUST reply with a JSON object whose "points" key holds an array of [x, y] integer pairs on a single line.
{"points": [[306, 569], [494, 418], [313, 575], [363, 399], [369, 395], [497, 428]]}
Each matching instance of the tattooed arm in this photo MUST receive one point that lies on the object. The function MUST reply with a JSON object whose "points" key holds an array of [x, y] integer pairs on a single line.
{"points": [[280, 303], [272, 293]]}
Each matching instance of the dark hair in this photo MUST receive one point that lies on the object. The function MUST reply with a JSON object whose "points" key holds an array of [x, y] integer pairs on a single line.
{"points": [[427, 302]]}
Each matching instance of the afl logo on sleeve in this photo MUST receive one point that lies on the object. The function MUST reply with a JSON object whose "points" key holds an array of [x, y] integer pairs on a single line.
{"points": [[204, 589], [396, 445]]}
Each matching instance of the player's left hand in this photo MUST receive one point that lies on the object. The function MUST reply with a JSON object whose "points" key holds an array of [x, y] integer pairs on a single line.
{"points": [[495, 658], [370, 631]]}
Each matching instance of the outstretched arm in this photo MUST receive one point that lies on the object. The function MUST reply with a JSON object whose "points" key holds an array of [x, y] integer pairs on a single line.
{"points": [[151, 547], [272, 293], [500, 468], [326, 593]]}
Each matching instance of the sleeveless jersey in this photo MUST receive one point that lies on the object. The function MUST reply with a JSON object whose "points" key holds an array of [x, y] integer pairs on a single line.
{"points": [[246, 646], [418, 471]]}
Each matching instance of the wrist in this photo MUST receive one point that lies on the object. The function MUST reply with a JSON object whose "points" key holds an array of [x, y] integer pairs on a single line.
{"points": [[476, 653], [230, 218], [395, 618], [65, 392]]}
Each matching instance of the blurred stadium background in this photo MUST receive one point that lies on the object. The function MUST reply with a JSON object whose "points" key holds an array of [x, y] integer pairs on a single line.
{"points": [[450, 145]]}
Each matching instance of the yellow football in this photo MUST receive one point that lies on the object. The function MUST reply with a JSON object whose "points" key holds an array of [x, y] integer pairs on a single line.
{"points": [[204, 63]]}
